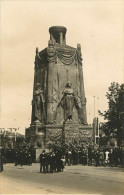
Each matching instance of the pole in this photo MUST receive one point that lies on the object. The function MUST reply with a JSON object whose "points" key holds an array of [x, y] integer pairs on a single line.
{"points": [[1, 164], [94, 107], [97, 105]]}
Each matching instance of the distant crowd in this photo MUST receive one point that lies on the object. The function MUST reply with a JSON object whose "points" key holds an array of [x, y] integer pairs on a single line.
{"points": [[20, 155]]}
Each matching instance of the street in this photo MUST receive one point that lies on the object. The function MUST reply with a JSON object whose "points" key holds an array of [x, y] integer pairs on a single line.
{"points": [[74, 180]]}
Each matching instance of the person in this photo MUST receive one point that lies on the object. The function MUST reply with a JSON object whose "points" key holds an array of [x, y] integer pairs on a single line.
{"points": [[16, 158], [115, 157], [101, 157], [42, 162], [90, 156], [47, 162], [21, 157], [84, 157], [97, 155], [52, 162], [29, 159], [69, 157], [110, 155], [79, 156], [107, 157], [58, 159], [66, 157]]}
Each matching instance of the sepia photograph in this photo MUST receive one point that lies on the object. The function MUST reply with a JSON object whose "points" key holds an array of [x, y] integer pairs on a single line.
{"points": [[62, 97]]}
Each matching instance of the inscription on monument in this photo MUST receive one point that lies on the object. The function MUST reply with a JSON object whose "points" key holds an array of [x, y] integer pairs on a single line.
{"points": [[71, 132]]}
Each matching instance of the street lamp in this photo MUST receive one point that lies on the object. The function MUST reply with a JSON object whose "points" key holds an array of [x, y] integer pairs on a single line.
{"points": [[94, 107]]}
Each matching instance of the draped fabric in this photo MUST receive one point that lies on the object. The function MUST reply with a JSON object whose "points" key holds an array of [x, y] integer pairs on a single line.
{"points": [[66, 55]]}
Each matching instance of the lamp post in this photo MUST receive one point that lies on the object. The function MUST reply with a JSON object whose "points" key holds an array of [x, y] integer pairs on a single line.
{"points": [[94, 107], [1, 163]]}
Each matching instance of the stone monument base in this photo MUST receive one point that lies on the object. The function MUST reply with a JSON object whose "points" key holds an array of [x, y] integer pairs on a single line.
{"points": [[42, 136]]}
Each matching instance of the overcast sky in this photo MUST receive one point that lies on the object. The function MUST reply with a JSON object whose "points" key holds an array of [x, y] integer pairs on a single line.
{"points": [[97, 25]]}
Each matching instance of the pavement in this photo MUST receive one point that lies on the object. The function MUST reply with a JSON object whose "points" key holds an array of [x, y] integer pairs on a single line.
{"points": [[76, 179]]}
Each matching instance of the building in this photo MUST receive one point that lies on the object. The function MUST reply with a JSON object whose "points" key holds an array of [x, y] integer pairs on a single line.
{"points": [[9, 137], [59, 102]]}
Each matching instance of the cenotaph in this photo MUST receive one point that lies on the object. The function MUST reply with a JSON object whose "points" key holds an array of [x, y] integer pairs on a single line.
{"points": [[59, 102]]}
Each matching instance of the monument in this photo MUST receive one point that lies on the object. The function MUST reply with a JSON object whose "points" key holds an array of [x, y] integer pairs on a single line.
{"points": [[59, 102]]}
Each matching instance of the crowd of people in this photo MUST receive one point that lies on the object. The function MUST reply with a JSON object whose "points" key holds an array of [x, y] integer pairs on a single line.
{"points": [[23, 157], [91, 155], [51, 161], [19, 155], [57, 156]]}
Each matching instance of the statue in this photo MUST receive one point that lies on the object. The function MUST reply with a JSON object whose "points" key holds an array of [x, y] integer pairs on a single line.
{"points": [[67, 101], [39, 102]]}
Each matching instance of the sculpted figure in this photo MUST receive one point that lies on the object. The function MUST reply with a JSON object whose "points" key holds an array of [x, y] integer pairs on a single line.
{"points": [[39, 102], [68, 101]]}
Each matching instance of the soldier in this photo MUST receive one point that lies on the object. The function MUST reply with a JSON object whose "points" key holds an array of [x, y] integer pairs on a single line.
{"points": [[43, 162]]}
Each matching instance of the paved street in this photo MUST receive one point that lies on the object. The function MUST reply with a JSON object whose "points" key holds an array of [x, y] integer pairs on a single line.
{"points": [[74, 180]]}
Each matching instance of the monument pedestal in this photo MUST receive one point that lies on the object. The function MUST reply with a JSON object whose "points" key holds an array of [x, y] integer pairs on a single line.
{"points": [[53, 134], [71, 132]]}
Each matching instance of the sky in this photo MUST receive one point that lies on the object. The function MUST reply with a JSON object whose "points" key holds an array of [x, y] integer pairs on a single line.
{"points": [[97, 25]]}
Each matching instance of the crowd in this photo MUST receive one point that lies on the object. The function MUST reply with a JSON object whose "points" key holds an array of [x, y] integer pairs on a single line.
{"points": [[89, 154], [57, 156], [93, 156], [20, 155], [23, 157]]}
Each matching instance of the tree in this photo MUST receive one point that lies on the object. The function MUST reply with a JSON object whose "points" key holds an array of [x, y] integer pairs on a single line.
{"points": [[112, 117]]}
